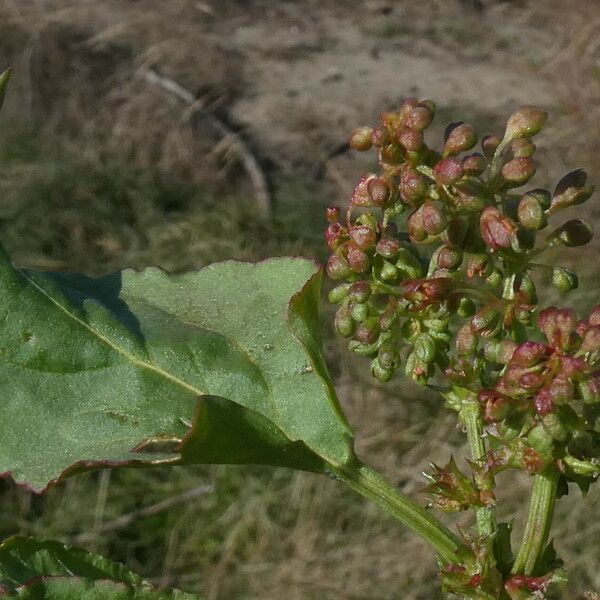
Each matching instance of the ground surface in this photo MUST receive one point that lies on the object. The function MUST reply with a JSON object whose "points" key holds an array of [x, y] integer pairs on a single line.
{"points": [[104, 169]]}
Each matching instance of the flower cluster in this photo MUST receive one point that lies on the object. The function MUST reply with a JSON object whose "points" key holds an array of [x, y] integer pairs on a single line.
{"points": [[438, 234], [437, 260]]}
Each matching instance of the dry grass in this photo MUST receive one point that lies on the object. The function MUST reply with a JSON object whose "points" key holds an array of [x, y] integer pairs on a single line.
{"points": [[103, 172]]}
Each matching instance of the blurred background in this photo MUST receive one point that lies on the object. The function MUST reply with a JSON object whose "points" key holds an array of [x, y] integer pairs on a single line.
{"points": [[181, 132]]}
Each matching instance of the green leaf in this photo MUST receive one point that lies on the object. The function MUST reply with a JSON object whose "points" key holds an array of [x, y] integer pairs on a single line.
{"points": [[222, 365], [36, 570]]}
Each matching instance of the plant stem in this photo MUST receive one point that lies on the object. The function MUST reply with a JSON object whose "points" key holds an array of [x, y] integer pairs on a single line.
{"points": [[539, 520], [470, 416], [372, 485]]}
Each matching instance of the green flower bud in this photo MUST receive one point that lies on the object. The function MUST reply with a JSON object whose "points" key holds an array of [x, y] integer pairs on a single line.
{"points": [[417, 370], [521, 147], [359, 312], [499, 351], [360, 139], [564, 280], [344, 323], [381, 373], [466, 307], [459, 137], [555, 427], [388, 271], [388, 356], [339, 293], [531, 213], [495, 277], [518, 171], [541, 441], [571, 190], [337, 267], [409, 263], [368, 331], [525, 122], [425, 348], [544, 197]]}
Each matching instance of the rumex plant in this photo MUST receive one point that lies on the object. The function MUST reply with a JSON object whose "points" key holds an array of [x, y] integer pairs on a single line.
{"points": [[436, 262]]}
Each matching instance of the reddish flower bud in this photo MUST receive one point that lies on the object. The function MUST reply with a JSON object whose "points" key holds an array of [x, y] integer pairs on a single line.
{"points": [[460, 137], [594, 318], [530, 354], [357, 259], [466, 340], [428, 219], [521, 147], [359, 291], [531, 381], [447, 171], [387, 247], [380, 137], [496, 230], [518, 171], [419, 117], [332, 214], [449, 258], [489, 143], [474, 164], [427, 291], [571, 190], [543, 402], [525, 122], [531, 213], [495, 406], [344, 323], [370, 191], [360, 139], [335, 235], [367, 332], [558, 325], [485, 321], [406, 108], [364, 237], [412, 186], [337, 267], [411, 139]]}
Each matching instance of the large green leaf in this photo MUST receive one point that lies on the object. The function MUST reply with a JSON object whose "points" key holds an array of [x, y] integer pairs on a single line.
{"points": [[221, 365], [36, 570]]}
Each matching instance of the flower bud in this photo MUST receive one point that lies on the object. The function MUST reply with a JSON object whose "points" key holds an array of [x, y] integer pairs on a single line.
{"points": [[359, 291], [339, 293], [447, 171], [424, 348], [466, 307], [495, 278], [555, 427], [496, 230], [521, 147], [558, 325], [344, 323], [531, 213], [380, 137], [364, 237], [591, 340], [427, 220], [499, 352], [388, 272], [495, 406], [360, 139], [485, 321], [332, 214], [466, 340], [574, 233], [571, 190], [419, 117], [474, 164], [409, 264], [368, 331], [449, 257], [411, 139], [381, 373], [413, 186], [335, 235], [529, 354], [518, 171], [459, 137], [564, 280], [544, 197], [359, 311], [357, 259], [387, 247], [525, 122], [370, 191], [489, 143], [337, 267]]}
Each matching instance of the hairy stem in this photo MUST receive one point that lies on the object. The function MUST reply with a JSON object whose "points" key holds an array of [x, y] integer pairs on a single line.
{"points": [[372, 485], [470, 416], [539, 520]]}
